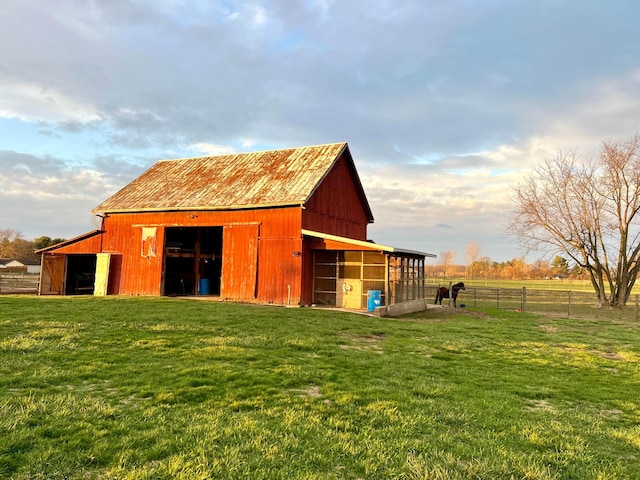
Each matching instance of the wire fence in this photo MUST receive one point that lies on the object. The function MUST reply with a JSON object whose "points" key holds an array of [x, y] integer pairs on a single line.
{"points": [[568, 303]]}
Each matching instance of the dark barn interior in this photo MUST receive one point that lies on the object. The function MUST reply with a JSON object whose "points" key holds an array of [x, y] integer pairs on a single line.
{"points": [[80, 274], [192, 260]]}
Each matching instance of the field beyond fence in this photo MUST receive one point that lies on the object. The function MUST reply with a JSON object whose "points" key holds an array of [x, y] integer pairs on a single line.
{"points": [[566, 303]]}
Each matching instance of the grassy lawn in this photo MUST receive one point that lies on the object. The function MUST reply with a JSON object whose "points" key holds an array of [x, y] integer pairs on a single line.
{"points": [[132, 388]]}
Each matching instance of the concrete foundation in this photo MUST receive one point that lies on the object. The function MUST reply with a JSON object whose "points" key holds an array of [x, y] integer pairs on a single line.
{"points": [[398, 309]]}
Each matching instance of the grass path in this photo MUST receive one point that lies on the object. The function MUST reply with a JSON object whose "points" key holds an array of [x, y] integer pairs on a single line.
{"points": [[167, 388]]}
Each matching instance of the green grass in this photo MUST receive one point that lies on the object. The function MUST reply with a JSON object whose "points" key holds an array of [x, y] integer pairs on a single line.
{"points": [[130, 388]]}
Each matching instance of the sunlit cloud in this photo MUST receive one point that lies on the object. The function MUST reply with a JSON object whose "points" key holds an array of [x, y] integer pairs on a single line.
{"points": [[211, 149], [37, 103]]}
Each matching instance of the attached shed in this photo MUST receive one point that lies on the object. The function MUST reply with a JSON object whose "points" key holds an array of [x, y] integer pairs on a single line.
{"points": [[251, 227]]}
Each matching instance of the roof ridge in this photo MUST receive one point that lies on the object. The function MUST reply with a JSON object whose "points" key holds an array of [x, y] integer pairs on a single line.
{"points": [[253, 152]]}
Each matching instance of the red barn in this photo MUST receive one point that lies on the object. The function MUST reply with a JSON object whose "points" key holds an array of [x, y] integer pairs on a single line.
{"points": [[287, 227]]}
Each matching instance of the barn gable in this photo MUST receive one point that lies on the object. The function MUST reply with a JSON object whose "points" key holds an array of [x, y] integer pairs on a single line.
{"points": [[338, 205]]}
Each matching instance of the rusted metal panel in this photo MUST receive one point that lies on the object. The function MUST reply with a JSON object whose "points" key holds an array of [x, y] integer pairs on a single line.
{"points": [[245, 180]]}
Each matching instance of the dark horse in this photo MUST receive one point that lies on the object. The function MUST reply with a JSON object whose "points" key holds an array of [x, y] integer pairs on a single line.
{"points": [[443, 292]]}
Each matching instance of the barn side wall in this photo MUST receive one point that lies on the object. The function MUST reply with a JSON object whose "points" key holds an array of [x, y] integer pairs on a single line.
{"points": [[279, 266]]}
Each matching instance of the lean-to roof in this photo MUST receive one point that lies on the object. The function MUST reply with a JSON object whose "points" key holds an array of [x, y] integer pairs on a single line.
{"points": [[368, 245], [243, 180], [71, 241]]}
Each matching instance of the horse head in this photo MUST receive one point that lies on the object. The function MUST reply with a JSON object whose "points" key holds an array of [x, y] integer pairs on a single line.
{"points": [[458, 286]]}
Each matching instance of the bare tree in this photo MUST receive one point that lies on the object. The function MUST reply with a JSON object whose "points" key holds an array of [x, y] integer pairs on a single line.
{"points": [[471, 255], [446, 260], [7, 237], [589, 213]]}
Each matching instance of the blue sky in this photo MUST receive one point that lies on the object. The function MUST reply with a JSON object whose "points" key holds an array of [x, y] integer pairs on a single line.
{"points": [[444, 103]]}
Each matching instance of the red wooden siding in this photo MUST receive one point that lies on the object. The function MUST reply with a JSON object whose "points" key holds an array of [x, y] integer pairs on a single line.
{"points": [[239, 261], [86, 246], [336, 206], [280, 268], [279, 236]]}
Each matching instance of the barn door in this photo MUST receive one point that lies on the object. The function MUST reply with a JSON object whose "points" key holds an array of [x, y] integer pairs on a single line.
{"points": [[52, 275], [239, 261], [102, 274]]}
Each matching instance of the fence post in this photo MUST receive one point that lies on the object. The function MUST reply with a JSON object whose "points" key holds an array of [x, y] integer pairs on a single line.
{"points": [[569, 305], [497, 298], [636, 307], [523, 300], [475, 297]]}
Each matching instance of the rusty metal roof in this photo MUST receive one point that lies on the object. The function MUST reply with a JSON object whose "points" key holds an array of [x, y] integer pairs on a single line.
{"points": [[233, 181]]}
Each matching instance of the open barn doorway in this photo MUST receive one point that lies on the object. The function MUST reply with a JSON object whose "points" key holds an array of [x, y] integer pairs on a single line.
{"points": [[81, 274], [192, 261]]}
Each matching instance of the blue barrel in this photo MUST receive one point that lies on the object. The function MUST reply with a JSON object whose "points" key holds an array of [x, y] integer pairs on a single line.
{"points": [[374, 299], [204, 286]]}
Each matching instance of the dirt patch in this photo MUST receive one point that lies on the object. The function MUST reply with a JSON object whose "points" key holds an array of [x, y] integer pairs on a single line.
{"points": [[610, 413], [367, 342], [313, 392], [548, 328], [597, 353], [363, 348], [609, 355], [540, 405], [441, 314]]}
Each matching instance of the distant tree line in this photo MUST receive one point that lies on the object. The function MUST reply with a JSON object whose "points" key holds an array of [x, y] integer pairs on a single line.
{"points": [[14, 245], [482, 267]]}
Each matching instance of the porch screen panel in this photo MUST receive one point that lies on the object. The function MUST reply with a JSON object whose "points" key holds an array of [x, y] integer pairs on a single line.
{"points": [[325, 278]]}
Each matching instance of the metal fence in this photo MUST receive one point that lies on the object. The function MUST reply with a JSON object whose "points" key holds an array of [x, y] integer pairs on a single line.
{"points": [[558, 302], [19, 283]]}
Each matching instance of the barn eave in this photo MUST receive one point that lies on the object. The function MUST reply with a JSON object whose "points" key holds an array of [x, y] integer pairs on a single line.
{"points": [[198, 208]]}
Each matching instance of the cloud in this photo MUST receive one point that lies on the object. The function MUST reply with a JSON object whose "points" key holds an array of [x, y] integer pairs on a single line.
{"points": [[211, 149], [48, 196], [32, 102], [444, 103]]}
